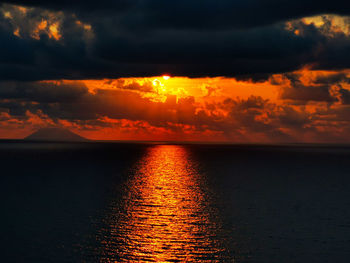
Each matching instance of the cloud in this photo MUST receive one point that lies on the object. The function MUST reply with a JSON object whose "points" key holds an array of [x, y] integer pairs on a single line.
{"points": [[250, 119], [49, 49], [141, 39], [193, 14], [42, 92], [308, 86], [306, 94]]}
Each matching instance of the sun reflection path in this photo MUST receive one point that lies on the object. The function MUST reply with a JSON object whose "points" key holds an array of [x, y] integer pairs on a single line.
{"points": [[164, 215]]}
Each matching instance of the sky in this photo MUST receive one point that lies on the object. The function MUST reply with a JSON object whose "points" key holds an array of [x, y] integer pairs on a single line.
{"points": [[267, 71]]}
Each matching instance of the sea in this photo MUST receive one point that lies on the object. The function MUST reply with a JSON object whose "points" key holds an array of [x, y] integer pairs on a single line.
{"points": [[163, 202]]}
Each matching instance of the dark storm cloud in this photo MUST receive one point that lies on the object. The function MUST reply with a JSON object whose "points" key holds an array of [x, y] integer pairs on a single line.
{"points": [[41, 92], [327, 87], [83, 5], [256, 52], [305, 94], [203, 14], [333, 78], [243, 39]]}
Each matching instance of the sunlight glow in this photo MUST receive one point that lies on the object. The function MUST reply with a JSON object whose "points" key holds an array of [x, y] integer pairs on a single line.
{"points": [[166, 211], [156, 82]]}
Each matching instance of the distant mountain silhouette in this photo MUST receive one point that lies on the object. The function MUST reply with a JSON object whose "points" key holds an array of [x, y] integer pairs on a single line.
{"points": [[54, 134]]}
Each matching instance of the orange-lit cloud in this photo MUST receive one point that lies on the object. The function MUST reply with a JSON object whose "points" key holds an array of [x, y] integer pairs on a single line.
{"points": [[307, 106], [34, 22], [110, 75]]}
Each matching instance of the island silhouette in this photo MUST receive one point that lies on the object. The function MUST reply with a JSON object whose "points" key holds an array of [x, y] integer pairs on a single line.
{"points": [[55, 134]]}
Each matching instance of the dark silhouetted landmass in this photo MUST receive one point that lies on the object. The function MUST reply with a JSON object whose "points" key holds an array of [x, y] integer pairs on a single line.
{"points": [[55, 134]]}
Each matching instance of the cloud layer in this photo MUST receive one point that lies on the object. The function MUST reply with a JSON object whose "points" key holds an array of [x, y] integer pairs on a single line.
{"points": [[112, 39], [91, 66], [311, 107]]}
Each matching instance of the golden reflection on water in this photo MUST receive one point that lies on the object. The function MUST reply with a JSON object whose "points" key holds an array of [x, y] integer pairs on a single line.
{"points": [[165, 215]]}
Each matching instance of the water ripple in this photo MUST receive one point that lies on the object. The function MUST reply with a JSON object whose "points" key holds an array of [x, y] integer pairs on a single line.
{"points": [[164, 215]]}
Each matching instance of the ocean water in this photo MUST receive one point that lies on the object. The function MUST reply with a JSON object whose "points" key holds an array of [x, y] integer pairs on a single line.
{"points": [[120, 202]]}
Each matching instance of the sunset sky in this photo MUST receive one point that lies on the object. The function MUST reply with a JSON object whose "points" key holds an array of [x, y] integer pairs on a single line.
{"points": [[266, 71]]}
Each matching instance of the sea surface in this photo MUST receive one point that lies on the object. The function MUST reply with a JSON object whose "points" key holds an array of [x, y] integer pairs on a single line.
{"points": [[124, 202]]}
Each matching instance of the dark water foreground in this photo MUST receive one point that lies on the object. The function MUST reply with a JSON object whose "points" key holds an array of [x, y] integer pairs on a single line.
{"points": [[109, 202]]}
